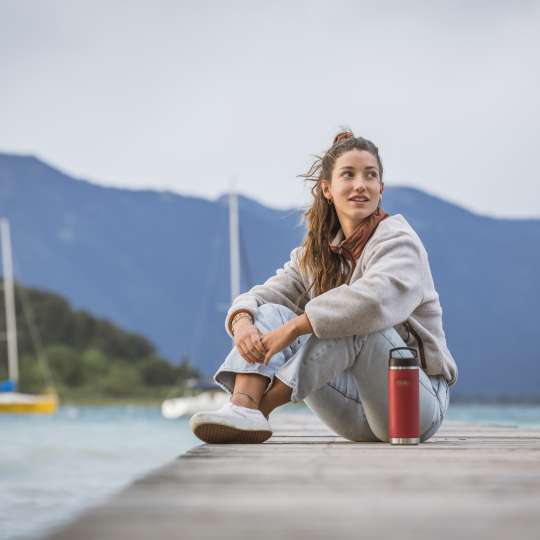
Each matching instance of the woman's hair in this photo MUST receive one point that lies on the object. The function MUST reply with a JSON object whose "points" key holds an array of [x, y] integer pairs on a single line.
{"points": [[321, 220]]}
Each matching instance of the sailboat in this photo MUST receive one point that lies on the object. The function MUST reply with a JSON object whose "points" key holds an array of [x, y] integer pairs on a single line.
{"points": [[212, 397], [12, 401]]}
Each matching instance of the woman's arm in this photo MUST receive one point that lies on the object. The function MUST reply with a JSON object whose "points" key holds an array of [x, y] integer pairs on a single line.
{"points": [[282, 337], [390, 289], [286, 288]]}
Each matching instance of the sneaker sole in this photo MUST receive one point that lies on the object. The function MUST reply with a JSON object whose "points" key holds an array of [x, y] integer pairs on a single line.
{"points": [[217, 433]]}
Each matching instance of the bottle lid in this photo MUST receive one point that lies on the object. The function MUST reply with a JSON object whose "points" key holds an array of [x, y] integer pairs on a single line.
{"points": [[397, 360]]}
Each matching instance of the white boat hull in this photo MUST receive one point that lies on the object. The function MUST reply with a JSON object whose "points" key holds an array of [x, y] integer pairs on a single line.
{"points": [[186, 406]]}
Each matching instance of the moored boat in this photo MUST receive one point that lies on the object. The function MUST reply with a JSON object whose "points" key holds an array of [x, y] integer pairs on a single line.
{"points": [[12, 401]]}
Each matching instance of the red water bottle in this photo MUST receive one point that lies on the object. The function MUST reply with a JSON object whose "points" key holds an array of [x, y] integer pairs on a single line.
{"points": [[403, 397]]}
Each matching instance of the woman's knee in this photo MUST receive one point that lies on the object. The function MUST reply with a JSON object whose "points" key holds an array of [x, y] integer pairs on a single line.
{"points": [[271, 316], [275, 310]]}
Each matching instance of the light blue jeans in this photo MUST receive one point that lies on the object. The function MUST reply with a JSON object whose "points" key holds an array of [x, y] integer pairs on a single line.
{"points": [[342, 380]]}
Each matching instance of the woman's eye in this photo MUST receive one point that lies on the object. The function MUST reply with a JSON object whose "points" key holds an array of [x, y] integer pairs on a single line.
{"points": [[347, 173]]}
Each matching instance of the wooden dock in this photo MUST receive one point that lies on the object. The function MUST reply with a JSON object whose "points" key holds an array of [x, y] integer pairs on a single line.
{"points": [[468, 481]]}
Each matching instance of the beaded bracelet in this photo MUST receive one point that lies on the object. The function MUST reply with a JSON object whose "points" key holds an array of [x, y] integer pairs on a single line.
{"points": [[238, 316]]}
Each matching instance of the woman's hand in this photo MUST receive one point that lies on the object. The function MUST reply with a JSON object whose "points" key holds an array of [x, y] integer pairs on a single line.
{"points": [[258, 348], [247, 339], [276, 340]]}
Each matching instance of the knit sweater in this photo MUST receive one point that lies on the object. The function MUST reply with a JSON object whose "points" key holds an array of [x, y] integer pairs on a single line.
{"points": [[391, 286]]}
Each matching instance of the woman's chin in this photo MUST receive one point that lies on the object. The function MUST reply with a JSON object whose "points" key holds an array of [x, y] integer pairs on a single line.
{"points": [[361, 215]]}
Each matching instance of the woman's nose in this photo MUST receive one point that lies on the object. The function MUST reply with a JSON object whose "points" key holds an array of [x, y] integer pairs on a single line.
{"points": [[359, 184]]}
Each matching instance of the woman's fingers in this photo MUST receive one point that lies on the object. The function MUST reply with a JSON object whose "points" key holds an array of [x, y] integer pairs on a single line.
{"points": [[258, 346], [254, 356], [249, 356], [255, 353], [247, 353], [243, 351], [248, 343], [251, 347]]}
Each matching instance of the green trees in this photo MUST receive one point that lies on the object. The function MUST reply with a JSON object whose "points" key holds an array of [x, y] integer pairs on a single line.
{"points": [[85, 356]]}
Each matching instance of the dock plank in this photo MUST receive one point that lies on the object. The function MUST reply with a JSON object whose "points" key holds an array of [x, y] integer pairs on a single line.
{"points": [[469, 480]]}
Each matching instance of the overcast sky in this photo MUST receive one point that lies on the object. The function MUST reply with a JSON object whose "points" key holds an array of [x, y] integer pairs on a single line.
{"points": [[186, 96]]}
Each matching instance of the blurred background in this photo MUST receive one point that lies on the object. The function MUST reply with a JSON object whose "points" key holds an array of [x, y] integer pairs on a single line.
{"points": [[124, 127]]}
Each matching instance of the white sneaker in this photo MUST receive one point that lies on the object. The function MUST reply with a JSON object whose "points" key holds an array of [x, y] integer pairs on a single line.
{"points": [[231, 424]]}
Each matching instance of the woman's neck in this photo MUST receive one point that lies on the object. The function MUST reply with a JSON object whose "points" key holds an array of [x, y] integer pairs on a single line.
{"points": [[348, 227]]}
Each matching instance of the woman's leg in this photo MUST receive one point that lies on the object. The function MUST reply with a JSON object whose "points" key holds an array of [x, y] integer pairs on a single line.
{"points": [[237, 376], [342, 380], [371, 375], [278, 395], [249, 389], [240, 420], [353, 400]]}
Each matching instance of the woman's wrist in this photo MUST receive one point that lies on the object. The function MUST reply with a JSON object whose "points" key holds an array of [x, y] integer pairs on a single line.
{"points": [[240, 318], [300, 326], [242, 321]]}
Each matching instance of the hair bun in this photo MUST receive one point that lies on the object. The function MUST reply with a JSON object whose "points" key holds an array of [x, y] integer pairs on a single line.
{"points": [[342, 136]]}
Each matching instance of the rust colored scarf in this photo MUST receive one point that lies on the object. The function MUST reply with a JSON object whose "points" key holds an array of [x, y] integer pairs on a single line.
{"points": [[352, 247]]}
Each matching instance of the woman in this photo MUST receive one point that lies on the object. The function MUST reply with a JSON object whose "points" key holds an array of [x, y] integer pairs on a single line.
{"points": [[320, 330]]}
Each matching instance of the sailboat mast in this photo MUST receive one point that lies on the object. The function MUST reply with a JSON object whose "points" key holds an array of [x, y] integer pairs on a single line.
{"points": [[9, 300], [234, 245]]}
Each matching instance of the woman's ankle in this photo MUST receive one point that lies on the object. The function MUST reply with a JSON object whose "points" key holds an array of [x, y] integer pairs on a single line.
{"points": [[243, 399]]}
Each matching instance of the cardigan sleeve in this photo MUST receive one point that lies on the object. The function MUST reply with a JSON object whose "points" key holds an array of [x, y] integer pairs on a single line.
{"points": [[286, 287], [389, 290]]}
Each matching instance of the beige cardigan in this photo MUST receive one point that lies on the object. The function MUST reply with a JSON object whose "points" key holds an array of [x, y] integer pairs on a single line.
{"points": [[391, 286]]}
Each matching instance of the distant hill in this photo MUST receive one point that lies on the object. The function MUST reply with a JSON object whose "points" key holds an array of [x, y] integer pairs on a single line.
{"points": [[83, 356], [157, 263]]}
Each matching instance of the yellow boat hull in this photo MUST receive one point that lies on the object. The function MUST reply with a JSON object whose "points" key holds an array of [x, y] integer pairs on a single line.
{"points": [[28, 404]]}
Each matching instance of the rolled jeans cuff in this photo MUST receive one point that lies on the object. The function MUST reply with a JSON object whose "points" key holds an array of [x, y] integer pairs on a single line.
{"points": [[224, 377]]}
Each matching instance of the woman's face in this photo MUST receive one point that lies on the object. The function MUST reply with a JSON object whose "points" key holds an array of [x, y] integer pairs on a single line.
{"points": [[355, 176]]}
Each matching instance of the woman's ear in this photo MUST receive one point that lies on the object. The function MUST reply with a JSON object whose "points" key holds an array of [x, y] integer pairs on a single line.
{"points": [[325, 188]]}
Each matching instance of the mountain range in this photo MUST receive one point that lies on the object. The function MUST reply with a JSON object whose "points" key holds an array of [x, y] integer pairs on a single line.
{"points": [[158, 263]]}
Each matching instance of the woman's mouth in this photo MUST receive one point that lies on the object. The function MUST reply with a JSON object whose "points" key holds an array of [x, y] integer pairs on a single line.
{"points": [[359, 200]]}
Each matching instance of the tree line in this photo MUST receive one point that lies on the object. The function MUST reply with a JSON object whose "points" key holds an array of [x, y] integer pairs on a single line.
{"points": [[82, 355]]}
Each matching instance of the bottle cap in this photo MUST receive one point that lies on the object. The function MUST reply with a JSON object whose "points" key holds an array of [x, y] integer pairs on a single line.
{"points": [[397, 360]]}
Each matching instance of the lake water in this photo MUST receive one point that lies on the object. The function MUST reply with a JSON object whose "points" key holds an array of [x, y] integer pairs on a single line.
{"points": [[52, 468]]}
